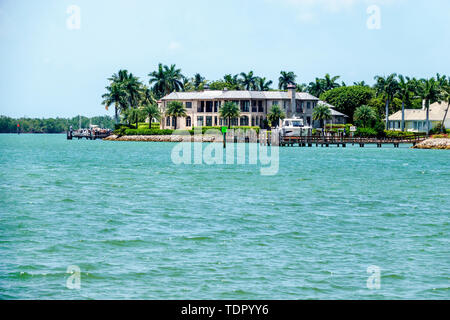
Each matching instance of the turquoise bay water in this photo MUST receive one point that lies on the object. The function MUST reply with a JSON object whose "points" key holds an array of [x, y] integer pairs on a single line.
{"points": [[140, 227]]}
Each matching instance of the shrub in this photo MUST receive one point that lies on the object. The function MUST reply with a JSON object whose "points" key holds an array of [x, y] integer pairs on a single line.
{"points": [[147, 132], [347, 99], [438, 136], [245, 128], [366, 133]]}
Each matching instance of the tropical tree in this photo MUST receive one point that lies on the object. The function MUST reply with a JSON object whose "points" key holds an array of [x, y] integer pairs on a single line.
{"points": [[262, 84], [232, 82], [387, 87], [365, 115], [229, 110], [151, 110], [166, 79], [446, 98], [134, 115], [198, 80], [285, 79], [147, 96], [248, 80], [132, 86], [275, 115], [116, 95], [321, 112], [405, 90], [361, 84], [430, 92], [316, 87], [302, 87], [347, 99], [176, 109], [330, 82]]}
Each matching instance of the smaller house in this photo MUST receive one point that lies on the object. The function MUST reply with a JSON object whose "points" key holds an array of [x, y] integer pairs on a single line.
{"points": [[337, 117], [415, 119]]}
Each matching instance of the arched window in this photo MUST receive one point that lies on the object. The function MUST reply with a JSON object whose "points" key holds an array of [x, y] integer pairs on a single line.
{"points": [[188, 121]]}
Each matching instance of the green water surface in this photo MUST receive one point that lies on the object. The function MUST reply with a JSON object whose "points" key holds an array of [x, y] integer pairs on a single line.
{"points": [[140, 227]]}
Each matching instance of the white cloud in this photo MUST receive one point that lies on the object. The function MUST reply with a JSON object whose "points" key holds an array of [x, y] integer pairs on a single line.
{"points": [[174, 45]]}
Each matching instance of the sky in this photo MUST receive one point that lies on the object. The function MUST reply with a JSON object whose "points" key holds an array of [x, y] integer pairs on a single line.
{"points": [[56, 56]]}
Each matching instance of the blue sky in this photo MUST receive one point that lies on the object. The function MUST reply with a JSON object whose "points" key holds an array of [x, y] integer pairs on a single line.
{"points": [[48, 70]]}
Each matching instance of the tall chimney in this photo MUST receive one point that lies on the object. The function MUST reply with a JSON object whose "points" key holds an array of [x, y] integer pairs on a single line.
{"points": [[291, 91]]}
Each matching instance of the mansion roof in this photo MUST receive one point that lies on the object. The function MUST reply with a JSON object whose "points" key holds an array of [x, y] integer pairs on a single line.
{"points": [[236, 95]]}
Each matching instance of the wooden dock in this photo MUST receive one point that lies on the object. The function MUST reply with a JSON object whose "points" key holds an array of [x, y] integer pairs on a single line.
{"points": [[88, 135], [340, 141]]}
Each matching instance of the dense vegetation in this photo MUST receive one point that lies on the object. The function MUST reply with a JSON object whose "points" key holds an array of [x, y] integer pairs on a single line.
{"points": [[51, 125], [389, 94]]}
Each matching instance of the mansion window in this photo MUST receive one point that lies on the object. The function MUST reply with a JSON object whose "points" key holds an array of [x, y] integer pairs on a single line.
{"points": [[254, 106], [260, 106], [298, 107], [275, 102], [200, 121], [168, 121], [244, 121], [209, 106], [188, 121], [208, 121], [308, 105], [245, 106], [201, 106], [188, 105]]}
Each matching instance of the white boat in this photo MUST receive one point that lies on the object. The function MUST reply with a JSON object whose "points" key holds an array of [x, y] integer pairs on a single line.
{"points": [[295, 128]]}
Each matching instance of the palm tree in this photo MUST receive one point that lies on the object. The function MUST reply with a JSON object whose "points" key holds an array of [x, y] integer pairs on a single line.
{"points": [[229, 110], [134, 115], [446, 98], [152, 112], [430, 92], [159, 80], [197, 80], [248, 80], [262, 84], [174, 78], [232, 81], [147, 96], [275, 115], [130, 84], [285, 79], [176, 109], [365, 115], [360, 84], [321, 112], [387, 87], [166, 79], [133, 87], [316, 88], [115, 95], [405, 88], [330, 82], [302, 87]]}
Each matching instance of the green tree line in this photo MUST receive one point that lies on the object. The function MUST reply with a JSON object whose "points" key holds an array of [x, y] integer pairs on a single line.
{"points": [[51, 125]]}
